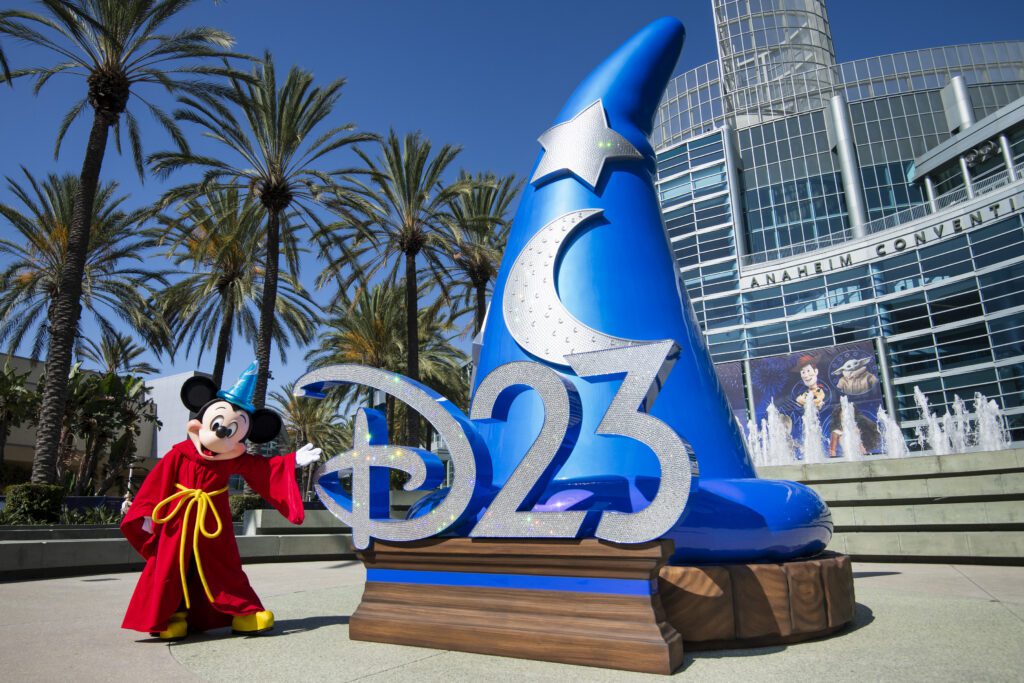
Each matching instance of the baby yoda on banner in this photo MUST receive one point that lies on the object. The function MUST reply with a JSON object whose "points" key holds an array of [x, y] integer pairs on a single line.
{"points": [[180, 521]]}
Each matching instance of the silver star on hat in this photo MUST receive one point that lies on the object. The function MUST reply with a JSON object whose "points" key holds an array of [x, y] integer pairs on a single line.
{"points": [[581, 145]]}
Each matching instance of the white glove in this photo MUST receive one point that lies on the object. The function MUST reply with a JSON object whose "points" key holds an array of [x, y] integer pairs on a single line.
{"points": [[306, 455], [147, 524]]}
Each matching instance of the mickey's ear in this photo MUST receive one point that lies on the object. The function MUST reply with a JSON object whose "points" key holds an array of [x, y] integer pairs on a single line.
{"points": [[197, 391], [266, 425]]}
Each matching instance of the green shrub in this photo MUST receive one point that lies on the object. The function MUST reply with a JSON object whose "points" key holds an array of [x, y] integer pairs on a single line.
{"points": [[243, 502], [98, 515], [34, 504]]}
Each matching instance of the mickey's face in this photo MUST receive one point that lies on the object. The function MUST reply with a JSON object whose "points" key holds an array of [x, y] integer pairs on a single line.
{"points": [[221, 431], [220, 427]]}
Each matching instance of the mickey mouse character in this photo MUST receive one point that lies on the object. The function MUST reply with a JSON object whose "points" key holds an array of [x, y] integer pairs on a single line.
{"points": [[180, 520]]}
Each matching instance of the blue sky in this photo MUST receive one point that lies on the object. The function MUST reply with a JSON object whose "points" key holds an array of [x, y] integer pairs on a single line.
{"points": [[484, 75]]}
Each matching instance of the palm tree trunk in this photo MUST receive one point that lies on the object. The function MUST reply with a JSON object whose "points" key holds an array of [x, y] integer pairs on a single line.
{"points": [[389, 417], [308, 490], [64, 452], [66, 309], [84, 467], [412, 339], [223, 343], [267, 308], [481, 307]]}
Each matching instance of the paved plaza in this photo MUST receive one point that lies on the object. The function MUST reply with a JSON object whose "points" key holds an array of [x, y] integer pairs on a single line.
{"points": [[915, 622]]}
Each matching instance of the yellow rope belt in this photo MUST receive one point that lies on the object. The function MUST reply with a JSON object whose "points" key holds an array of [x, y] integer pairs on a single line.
{"points": [[200, 499]]}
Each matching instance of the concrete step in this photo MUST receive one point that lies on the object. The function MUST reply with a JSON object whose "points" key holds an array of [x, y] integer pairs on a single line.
{"points": [[293, 548], [61, 532], [263, 522], [966, 487], [986, 547], [898, 468], [967, 507], [64, 557], [1001, 512]]}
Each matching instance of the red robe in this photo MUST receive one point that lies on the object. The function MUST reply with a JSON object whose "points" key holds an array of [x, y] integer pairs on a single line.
{"points": [[159, 594]]}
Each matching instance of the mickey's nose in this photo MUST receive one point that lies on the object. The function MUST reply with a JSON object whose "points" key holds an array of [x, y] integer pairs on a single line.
{"points": [[223, 432]]}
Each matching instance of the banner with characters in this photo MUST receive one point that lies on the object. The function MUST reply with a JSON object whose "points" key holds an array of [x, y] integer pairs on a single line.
{"points": [[730, 376], [823, 376]]}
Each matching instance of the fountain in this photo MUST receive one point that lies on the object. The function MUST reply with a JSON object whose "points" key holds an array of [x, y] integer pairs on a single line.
{"points": [[770, 442], [812, 449], [953, 432], [850, 440], [893, 444], [778, 442], [755, 443], [990, 430], [931, 433], [958, 426]]}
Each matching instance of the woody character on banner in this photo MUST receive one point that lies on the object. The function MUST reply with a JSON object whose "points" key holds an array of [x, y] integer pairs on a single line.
{"points": [[823, 376]]}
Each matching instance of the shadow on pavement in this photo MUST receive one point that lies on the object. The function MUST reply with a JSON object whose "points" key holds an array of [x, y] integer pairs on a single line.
{"points": [[868, 575], [284, 627], [862, 616], [289, 626], [341, 565]]}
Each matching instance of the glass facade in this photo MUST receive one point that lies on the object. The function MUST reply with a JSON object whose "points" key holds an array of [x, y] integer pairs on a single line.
{"points": [[692, 105], [694, 193], [890, 132], [981, 64], [751, 182], [952, 315], [792, 189]]}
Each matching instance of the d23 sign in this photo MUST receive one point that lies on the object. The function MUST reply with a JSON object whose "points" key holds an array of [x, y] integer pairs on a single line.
{"points": [[642, 368]]}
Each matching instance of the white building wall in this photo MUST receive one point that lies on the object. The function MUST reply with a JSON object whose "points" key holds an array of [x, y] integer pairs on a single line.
{"points": [[173, 415]]}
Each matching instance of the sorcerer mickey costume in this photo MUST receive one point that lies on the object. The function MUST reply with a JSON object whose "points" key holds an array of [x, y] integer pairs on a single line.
{"points": [[180, 520]]}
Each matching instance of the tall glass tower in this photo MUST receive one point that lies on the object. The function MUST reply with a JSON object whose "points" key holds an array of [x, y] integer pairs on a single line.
{"points": [[771, 52]]}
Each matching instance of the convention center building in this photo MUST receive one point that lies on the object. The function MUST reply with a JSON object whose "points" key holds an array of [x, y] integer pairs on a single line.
{"points": [[852, 227]]}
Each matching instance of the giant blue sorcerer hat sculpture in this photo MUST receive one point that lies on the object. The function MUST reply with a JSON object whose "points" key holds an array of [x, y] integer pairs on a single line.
{"points": [[588, 257], [598, 445], [589, 312]]}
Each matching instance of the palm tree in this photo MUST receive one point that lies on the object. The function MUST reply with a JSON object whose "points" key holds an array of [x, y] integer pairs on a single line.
{"points": [[115, 354], [480, 227], [370, 330], [275, 159], [219, 239], [408, 210], [316, 421], [114, 285], [116, 46]]}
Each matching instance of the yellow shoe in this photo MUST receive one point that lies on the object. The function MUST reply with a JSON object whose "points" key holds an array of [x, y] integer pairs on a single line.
{"points": [[179, 616], [251, 624], [176, 629]]}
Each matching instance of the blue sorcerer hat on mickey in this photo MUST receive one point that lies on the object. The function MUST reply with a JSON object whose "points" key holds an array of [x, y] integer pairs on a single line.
{"points": [[245, 388]]}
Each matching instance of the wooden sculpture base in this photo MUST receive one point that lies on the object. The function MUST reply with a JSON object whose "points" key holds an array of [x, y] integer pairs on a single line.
{"points": [[751, 605], [573, 601], [592, 603]]}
